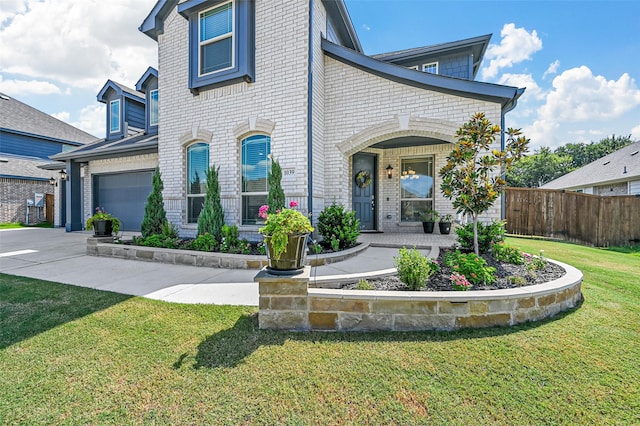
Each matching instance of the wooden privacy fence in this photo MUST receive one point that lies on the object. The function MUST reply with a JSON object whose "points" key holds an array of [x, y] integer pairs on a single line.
{"points": [[49, 207], [600, 221]]}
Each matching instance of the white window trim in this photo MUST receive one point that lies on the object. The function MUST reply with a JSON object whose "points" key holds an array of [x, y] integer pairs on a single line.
{"points": [[111, 129], [415, 67], [151, 121], [231, 35], [432, 199], [199, 195], [429, 65], [253, 193]]}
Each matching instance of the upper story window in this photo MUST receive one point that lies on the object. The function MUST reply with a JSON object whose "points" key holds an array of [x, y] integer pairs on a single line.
{"points": [[153, 108], [430, 68], [197, 166], [216, 39], [221, 42], [255, 173], [114, 110]]}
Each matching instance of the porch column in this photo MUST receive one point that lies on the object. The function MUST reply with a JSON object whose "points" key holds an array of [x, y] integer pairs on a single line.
{"points": [[73, 197]]}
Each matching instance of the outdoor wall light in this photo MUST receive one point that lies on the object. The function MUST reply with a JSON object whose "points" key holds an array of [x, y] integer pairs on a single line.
{"points": [[389, 171], [52, 181], [63, 175]]}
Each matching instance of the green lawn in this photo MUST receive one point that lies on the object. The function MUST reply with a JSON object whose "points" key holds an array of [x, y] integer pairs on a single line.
{"points": [[71, 355], [12, 225]]}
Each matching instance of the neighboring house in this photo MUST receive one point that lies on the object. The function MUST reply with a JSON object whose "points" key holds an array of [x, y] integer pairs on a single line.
{"points": [[115, 173], [615, 174], [245, 81], [27, 138]]}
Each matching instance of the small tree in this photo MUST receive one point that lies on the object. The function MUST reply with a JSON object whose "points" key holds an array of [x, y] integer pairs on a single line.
{"points": [[211, 217], [154, 214], [473, 176], [275, 198]]}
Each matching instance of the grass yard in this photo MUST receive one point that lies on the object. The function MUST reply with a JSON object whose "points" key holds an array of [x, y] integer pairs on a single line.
{"points": [[72, 355]]}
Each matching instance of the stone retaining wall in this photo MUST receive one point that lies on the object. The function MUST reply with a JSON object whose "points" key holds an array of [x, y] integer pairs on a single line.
{"points": [[287, 303], [104, 246]]}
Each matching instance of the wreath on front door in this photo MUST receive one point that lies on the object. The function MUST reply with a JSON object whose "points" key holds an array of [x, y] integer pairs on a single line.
{"points": [[363, 179]]}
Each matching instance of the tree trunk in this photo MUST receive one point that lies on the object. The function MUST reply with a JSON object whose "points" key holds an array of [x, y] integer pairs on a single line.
{"points": [[476, 247]]}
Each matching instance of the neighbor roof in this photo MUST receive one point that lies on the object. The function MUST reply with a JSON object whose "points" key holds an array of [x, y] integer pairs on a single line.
{"points": [[620, 166], [20, 118], [477, 46], [22, 167]]}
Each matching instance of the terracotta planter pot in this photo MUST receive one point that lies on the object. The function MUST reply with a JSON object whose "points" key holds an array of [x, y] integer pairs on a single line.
{"points": [[102, 228], [292, 260]]}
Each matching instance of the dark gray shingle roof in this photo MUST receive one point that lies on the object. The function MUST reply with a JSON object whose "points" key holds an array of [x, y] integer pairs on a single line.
{"points": [[20, 117], [17, 166]]}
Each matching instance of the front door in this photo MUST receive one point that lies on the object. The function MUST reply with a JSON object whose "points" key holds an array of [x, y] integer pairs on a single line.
{"points": [[364, 189]]}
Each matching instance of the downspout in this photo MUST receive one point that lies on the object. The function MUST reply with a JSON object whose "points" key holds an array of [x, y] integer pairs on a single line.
{"points": [[310, 117], [510, 107]]}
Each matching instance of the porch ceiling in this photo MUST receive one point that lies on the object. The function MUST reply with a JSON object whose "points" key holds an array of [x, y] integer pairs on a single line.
{"points": [[407, 141]]}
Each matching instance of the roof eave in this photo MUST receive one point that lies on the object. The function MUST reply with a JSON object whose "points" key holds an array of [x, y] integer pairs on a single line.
{"points": [[49, 138], [110, 152], [337, 10], [153, 24]]}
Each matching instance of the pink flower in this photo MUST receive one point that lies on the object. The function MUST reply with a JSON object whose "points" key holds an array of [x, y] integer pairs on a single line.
{"points": [[263, 211], [293, 204]]}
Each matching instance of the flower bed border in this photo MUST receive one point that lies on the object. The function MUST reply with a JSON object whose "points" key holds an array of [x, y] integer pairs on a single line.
{"points": [[287, 303], [104, 247]]}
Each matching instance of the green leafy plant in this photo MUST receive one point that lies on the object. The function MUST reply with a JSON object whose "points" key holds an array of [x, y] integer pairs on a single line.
{"points": [[275, 196], [168, 238], [211, 217], [447, 218], [460, 282], [338, 227], [488, 235], [278, 226], [231, 242], [364, 285], [507, 254], [430, 216], [471, 266], [517, 280], [154, 214], [535, 263], [315, 247], [414, 269], [205, 242], [101, 214], [473, 175]]}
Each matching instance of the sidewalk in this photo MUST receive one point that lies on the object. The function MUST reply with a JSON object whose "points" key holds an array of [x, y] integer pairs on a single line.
{"points": [[56, 255]]}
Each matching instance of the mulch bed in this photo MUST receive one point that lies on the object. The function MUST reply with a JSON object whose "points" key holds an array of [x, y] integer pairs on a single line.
{"points": [[441, 282]]}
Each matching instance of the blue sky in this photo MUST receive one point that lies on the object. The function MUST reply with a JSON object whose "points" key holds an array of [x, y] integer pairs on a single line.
{"points": [[580, 60]]}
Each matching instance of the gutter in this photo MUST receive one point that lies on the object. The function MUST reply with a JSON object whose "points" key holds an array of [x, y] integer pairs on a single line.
{"points": [[310, 117]]}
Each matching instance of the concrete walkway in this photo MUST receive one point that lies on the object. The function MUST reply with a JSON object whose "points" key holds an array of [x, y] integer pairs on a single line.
{"points": [[56, 255]]}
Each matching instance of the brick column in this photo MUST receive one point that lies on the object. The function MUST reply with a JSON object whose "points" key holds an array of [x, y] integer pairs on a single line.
{"points": [[283, 300]]}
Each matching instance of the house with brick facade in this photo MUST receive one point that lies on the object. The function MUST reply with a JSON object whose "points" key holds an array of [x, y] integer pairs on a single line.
{"points": [[243, 82], [28, 137]]}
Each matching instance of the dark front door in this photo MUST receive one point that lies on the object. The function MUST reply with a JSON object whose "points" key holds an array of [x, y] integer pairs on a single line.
{"points": [[364, 189]]}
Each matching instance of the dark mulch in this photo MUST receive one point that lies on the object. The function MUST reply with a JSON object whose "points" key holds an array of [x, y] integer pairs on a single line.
{"points": [[441, 281]]}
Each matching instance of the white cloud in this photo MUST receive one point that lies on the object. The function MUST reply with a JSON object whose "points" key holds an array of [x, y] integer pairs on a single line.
{"points": [[11, 8], [366, 27], [62, 116], [635, 133], [24, 87], [523, 80], [553, 69], [81, 44], [578, 95], [517, 45], [92, 120]]}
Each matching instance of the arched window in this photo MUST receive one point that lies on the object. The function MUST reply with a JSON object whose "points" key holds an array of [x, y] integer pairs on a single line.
{"points": [[197, 166], [255, 173]]}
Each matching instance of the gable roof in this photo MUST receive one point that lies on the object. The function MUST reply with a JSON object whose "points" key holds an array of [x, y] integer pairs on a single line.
{"points": [[121, 90], [620, 166], [507, 96], [153, 24], [149, 73], [20, 118], [22, 167], [476, 45]]}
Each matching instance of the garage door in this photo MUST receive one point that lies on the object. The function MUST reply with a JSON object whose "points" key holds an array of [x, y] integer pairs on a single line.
{"points": [[123, 195]]}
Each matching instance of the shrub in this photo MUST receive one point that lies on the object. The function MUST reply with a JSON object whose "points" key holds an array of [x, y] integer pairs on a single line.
{"points": [[211, 217], [517, 280], [488, 235], [168, 238], [364, 285], [414, 269], [205, 242], [154, 214], [275, 197], [460, 282], [471, 266], [339, 229], [505, 253], [231, 242], [535, 263]]}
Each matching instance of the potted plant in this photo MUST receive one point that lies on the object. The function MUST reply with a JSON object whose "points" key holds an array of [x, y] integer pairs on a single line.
{"points": [[285, 234], [429, 219], [445, 223], [103, 223]]}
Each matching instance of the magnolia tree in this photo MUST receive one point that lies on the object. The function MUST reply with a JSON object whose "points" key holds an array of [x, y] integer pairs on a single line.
{"points": [[473, 176]]}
